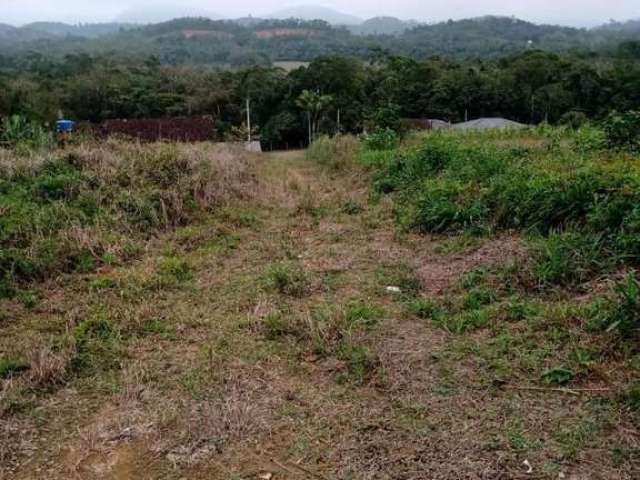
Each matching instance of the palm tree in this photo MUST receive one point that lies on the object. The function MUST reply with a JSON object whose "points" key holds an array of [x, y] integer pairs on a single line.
{"points": [[313, 103]]}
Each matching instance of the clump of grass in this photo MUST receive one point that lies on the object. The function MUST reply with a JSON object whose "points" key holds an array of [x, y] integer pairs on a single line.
{"points": [[360, 360], [363, 314], [568, 259], [98, 345], [287, 278], [424, 308], [352, 207], [620, 312], [12, 366], [174, 269]]}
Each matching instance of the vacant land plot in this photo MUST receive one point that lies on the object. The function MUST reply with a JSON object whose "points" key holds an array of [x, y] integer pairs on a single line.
{"points": [[289, 328]]}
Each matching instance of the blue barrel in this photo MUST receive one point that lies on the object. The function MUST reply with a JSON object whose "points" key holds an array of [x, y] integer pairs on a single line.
{"points": [[65, 126]]}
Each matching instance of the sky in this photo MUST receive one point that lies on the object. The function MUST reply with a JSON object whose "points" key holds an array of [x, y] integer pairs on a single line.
{"points": [[567, 12]]}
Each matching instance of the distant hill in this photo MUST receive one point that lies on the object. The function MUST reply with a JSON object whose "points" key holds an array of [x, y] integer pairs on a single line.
{"points": [[384, 26], [630, 26], [6, 29], [87, 30], [255, 41], [314, 12]]}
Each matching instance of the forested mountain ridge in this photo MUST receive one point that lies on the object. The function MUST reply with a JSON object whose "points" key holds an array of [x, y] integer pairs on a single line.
{"points": [[230, 43]]}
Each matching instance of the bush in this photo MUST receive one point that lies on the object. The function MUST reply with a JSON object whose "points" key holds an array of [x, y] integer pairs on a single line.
{"points": [[622, 130], [574, 119], [382, 139], [336, 153], [25, 135]]}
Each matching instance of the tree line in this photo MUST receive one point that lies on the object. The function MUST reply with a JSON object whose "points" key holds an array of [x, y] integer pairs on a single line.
{"points": [[331, 94]]}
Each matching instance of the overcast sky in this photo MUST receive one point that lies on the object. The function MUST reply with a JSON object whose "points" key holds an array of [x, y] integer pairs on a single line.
{"points": [[570, 12]]}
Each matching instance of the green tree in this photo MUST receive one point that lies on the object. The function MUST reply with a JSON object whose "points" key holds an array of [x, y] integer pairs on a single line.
{"points": [[313, 103]]}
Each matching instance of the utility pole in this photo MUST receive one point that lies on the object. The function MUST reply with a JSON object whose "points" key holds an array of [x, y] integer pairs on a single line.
{"points": [[339, 129], [310, 130], [248, 119]]}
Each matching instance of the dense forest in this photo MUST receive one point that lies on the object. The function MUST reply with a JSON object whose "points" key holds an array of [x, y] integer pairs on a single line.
{"points": [[335, 93], [250, 41]]}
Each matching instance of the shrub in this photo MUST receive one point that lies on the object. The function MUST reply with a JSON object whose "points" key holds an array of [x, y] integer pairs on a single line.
{"points": [[574, 119], [622, 130], [25, 135], [336, 153], [382, 139]]}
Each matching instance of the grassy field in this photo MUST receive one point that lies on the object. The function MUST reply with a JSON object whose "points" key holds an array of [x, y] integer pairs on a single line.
{"points": [[454, 307]]}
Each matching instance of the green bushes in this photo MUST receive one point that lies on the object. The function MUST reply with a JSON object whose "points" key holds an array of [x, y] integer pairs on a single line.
{"points": [[25, 135], [382, 139], [580, 204], [622, 130]]}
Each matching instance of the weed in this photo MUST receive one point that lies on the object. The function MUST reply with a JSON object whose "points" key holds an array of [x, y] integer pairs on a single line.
{"points": [[11, 366], [621, 312], [568, 259], [98, 345], [175, 270], [277, 325], [361, 362], [363, 314], [478, 297], [287, 279], [558, 376], [351, 207], [425, 308], [632, 397], [28, 298], [465, 321]]}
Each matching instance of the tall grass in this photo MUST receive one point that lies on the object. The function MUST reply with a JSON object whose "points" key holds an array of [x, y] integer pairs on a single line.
{"points": [[582, 202], [75, 210]]}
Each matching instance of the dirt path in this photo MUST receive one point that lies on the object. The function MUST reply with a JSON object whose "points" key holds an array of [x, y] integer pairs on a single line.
{"points": [[285, 355]]}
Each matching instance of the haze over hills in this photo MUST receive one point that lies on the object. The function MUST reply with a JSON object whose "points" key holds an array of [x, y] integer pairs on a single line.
{"points": [[315, 12], [162, 12], [384, 26]]}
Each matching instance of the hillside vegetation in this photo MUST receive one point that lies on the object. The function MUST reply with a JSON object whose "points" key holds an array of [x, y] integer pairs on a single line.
{"points": [[484, 37]]}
